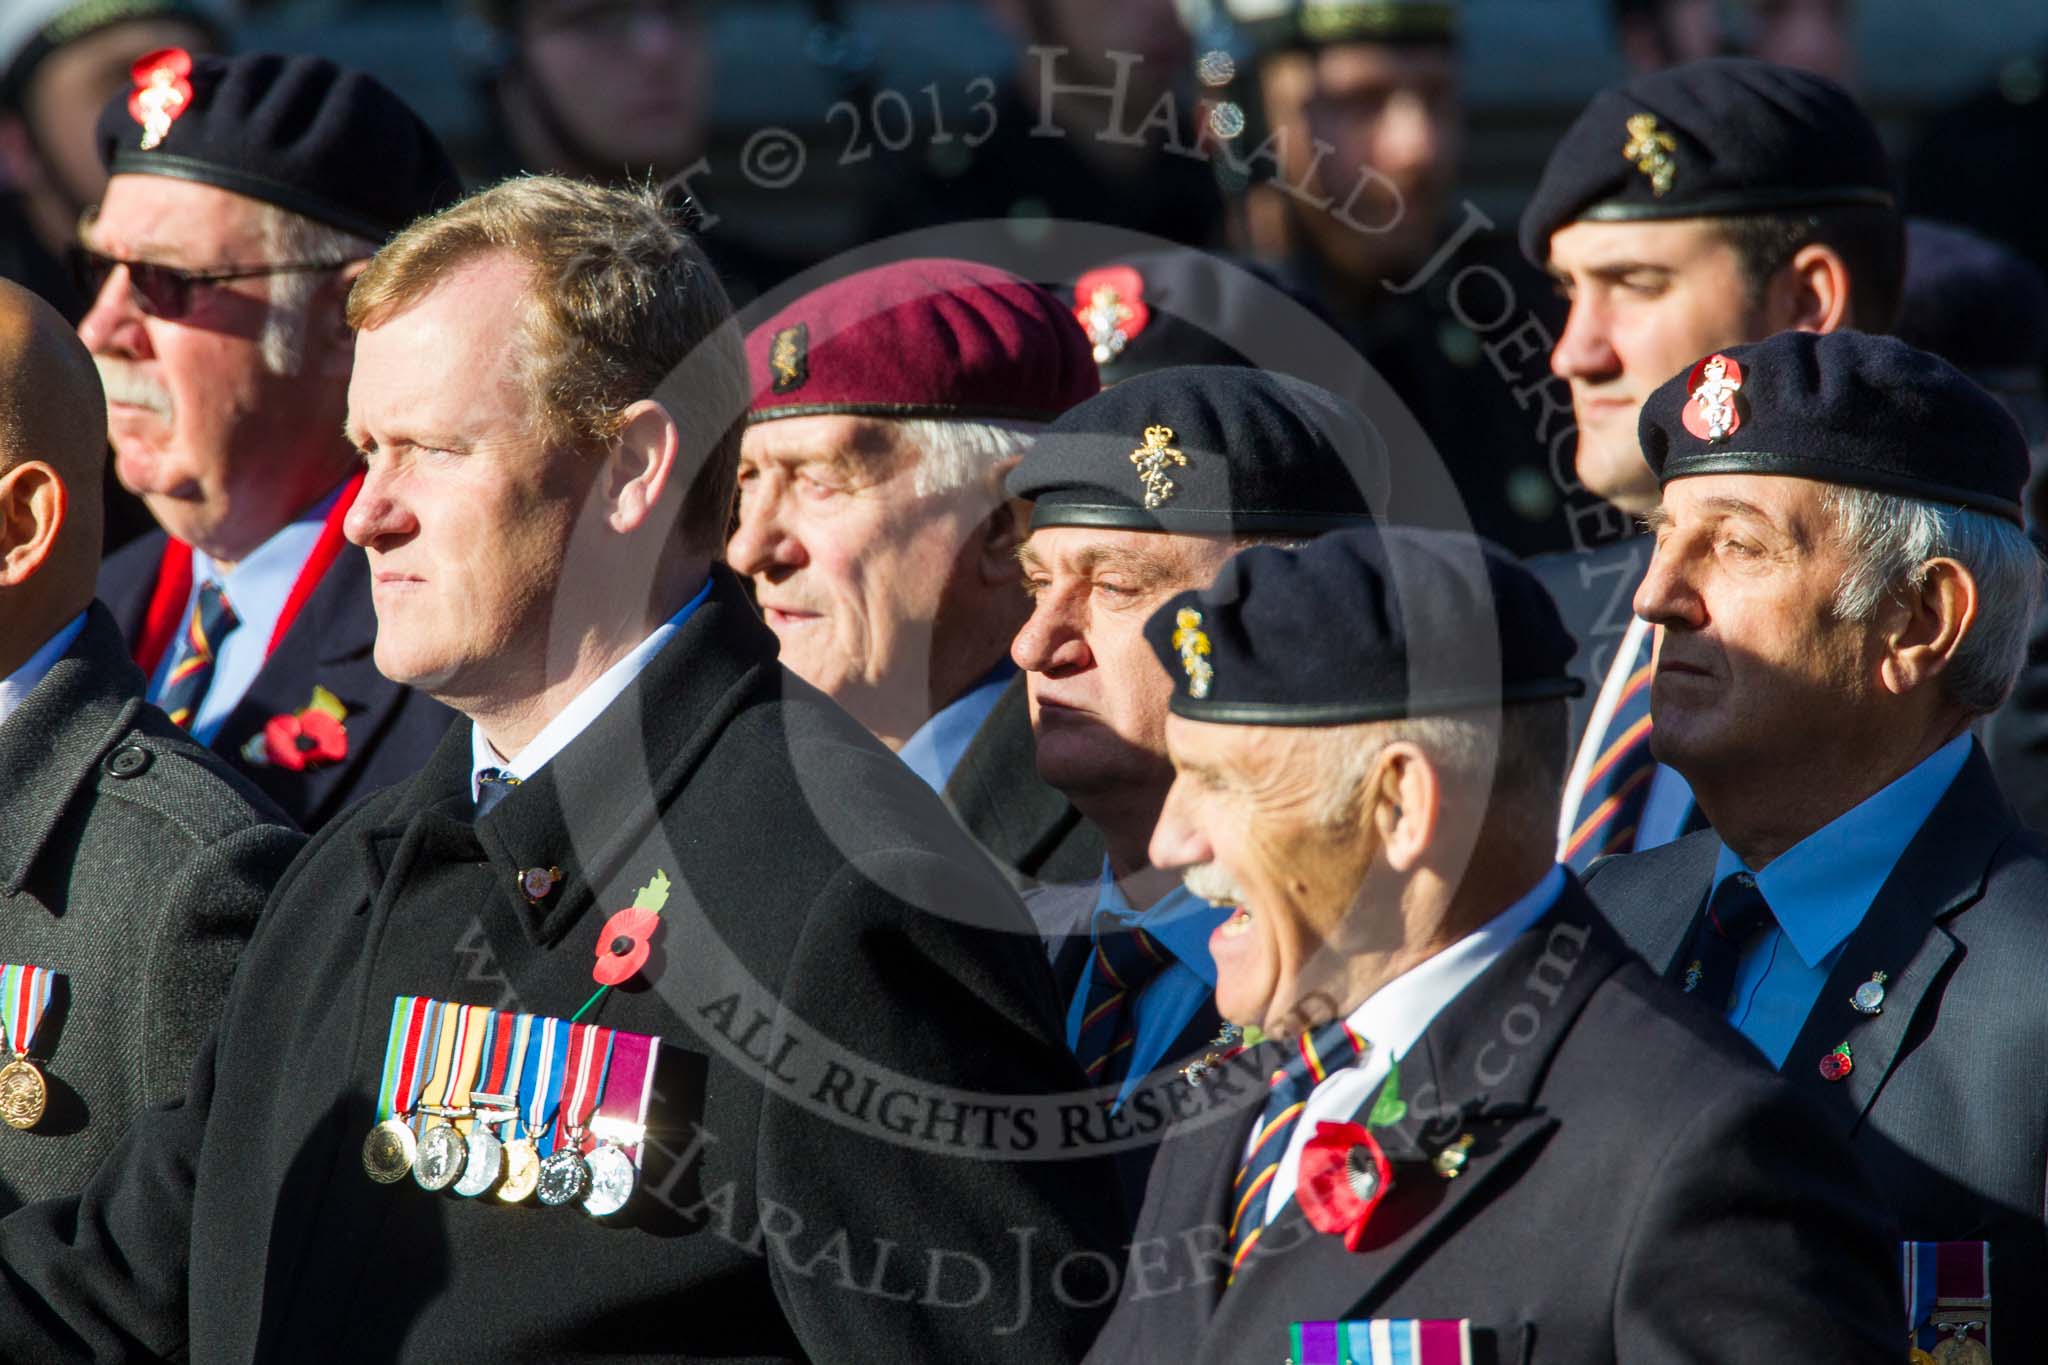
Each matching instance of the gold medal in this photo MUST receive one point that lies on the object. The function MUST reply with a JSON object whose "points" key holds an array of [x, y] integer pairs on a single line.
{"points": [[1961, 1350], [522, 1171], [23, 1094], [1916, 1356], [388, 1151]]}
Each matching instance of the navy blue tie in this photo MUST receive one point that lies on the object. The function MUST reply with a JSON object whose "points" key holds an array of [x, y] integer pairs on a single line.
{"points": [[1737, 914], [492, 786]]}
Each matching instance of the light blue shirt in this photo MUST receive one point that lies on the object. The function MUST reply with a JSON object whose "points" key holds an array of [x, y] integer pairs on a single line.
{"points": [[16, 686], [1182, 922], [1819, 890], [939, 744], [585, 707], [257, 590]]}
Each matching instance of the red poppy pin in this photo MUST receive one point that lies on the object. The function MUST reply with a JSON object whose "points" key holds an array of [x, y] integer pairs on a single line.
{"points": [[1110, 306], [1344, 1176], [628, 936], [300, 740], [163, 91], [1712, 412]]}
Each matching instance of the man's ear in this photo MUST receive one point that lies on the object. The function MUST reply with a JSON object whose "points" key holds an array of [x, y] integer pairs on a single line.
{"points": [[642, 460], [332, 340], [1924, 630], [34, 505], [1810, 292], [1403, 800], [999, 537]]}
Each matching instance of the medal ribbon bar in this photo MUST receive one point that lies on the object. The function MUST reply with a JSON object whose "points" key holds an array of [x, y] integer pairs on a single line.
{"points": [[541, 1087], [24, 999], [628, 1089], [590, 1050], [1382, 1341]]}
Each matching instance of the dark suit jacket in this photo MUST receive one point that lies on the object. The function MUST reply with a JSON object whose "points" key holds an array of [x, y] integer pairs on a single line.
{"points": [[1025, 825], [391, 729], [134, 863], [839, 972], [1640, 1188], [2016, 735], [1935, 1105], [1064, 917]]}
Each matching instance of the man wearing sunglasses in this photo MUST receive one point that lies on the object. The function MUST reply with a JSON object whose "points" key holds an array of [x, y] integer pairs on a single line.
{"points": [[245, 196]]}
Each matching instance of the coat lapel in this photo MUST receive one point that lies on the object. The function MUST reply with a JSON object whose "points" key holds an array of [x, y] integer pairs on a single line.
{"points": [[1644, 915], [1943, 869], [1469, 1075]]}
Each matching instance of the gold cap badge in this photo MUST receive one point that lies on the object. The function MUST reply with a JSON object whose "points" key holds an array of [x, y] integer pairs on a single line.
{"points": [[1651, 148], [789, 355], [1194, 650], [1152, 459]]}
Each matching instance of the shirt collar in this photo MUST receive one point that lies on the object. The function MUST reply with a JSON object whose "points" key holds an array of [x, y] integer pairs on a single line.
{"points": [[16, 686], [938, 745], [261, 583], [1398, 1013], [1180, 920], [582, 709], [1820, 888]]}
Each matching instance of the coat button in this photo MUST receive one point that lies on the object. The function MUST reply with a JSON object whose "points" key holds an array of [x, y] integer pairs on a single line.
{"points": [[130, 760]]}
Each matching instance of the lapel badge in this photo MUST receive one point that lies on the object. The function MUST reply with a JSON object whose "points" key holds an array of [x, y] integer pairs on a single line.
{"points": [[1838, 1063], [1228, 1042], [1152, 459], [535, 883], [1110, 306], [1451, 1161], [1651, 148], [1193, 645], [163, 91], [1710, 411], [1694, 974], [789, 355], [1869, 997]]}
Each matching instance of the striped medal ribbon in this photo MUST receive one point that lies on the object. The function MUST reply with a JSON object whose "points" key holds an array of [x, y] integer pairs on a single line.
{"points": [[443, 1146], [391, 1147], [24, 1000], [565, 1175], [537, 1090], [1382, 1341], [620, 1126]]}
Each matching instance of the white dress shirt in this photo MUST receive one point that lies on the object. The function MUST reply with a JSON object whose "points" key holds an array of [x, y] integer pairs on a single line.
{"points": [[1395, 1016], [585, 707]]}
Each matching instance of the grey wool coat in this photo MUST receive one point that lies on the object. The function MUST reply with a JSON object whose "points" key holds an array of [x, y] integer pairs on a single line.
{"points": [[134, 862]]}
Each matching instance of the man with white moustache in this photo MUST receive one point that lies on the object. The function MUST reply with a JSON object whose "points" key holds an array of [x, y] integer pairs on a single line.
{"points": [[245, 196]]}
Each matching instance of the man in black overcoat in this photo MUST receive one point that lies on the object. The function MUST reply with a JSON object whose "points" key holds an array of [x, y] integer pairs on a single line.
{"points": [[1476, 1124], [851, 1149]]}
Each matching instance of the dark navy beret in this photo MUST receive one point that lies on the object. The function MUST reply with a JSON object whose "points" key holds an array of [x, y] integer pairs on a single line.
{"points": [[1976, 303], [1206, 450], [1277, 25], [1845, 408], [1378, 623], [298, 132], [1178, 307], [1708, 139]]}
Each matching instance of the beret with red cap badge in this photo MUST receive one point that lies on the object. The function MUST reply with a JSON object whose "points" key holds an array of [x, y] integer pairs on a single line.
{"points": [[921, 338]]}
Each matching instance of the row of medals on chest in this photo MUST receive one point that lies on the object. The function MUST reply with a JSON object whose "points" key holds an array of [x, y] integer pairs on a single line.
{"points": [[442, 1157]]}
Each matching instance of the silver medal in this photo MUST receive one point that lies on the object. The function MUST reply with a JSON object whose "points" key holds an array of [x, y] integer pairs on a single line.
{"points": [[486, 1161], [611, 1181], [442, 1153], [564, 1178]]}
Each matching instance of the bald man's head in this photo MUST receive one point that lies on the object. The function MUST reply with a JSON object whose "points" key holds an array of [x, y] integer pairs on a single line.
{"points": [[53, 448]]}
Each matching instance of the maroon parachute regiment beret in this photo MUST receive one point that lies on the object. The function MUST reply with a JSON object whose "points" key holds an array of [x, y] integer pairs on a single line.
{"points": [[922, 338]]}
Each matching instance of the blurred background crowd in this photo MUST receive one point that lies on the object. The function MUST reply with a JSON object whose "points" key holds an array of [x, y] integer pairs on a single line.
{"points": [[802, 130]]}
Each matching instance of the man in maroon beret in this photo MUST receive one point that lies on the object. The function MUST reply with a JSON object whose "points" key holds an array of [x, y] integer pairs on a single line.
{"points": [[887, 408]]}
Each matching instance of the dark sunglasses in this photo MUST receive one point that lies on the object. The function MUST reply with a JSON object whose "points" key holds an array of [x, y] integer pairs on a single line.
{"points": [[165, 291]]}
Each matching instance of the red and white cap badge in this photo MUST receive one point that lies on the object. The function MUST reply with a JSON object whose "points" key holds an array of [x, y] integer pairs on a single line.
{"points": [[1110, 306], [163, 90], [1711, 411]]}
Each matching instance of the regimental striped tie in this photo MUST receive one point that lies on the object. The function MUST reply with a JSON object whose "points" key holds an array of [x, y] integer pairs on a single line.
{"points": [[1124, 962], [1321, 1053], [213, 620], [1619, 783]]}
